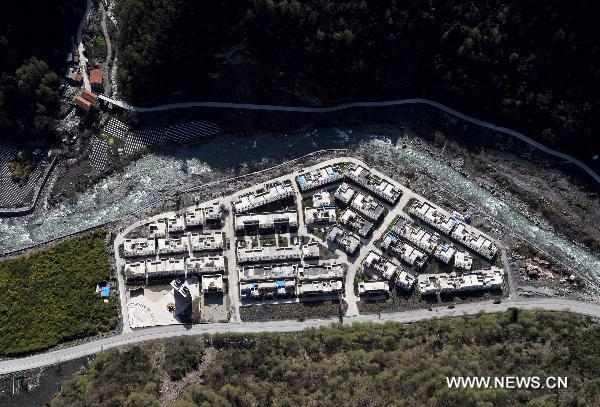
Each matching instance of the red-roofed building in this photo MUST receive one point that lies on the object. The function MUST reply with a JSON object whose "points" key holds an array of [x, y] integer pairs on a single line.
{"points": [[96, 79], [89, 96], [82, 103]]}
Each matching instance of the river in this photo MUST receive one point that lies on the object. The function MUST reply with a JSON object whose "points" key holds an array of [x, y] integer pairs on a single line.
{"points": [[157, 175]]}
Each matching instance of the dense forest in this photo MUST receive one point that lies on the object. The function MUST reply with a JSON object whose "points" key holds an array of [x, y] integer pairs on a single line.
{"points": [[50, 297], [34, 41], [531, 65], [357, 365]]}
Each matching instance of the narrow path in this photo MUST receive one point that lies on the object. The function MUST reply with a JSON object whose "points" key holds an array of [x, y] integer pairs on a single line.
{"points": [[344, 106], [146, 334], [106, 63], [81, 48]]}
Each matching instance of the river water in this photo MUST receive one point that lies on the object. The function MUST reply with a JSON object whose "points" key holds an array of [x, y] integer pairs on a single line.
{"points": [[157, 175]]}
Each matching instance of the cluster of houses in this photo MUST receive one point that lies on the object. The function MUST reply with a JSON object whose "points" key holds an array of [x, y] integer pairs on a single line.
{"points": [[179, 246], [260, 282], [453, 283], [271, 256]]}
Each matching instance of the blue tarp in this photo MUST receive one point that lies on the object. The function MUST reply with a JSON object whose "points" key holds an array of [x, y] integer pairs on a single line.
{"points": [[105, 292], [281, 284]]}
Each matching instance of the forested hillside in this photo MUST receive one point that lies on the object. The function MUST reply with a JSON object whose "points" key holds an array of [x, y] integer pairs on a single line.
{"points": [[358, 365], [34, 40], [531, 65]]}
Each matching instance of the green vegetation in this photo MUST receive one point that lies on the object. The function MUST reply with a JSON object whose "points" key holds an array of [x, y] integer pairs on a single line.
{"points": [[22, 167], [34, 40], [531, 65], [282, 241], [49, 297], [366, 364]]}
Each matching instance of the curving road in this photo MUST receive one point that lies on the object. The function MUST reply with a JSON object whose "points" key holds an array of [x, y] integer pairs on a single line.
{"points": [[344, 106], [141, 335]]}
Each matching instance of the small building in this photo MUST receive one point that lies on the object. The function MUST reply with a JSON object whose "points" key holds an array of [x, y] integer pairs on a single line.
{"points": [[314, 288], [463, 260], [444, 252], [310, 250], [82, 103], [321, 215], [344, 193], [135, 271], [321, 199], [348, 241], [176, 223], [318, 178], [367, 206], [212, 283], [96, 80], [205, 264], [356, 223], [210, 241], [158, 228], [373, 287], [89, 96], [171, 245], [139, 247]]}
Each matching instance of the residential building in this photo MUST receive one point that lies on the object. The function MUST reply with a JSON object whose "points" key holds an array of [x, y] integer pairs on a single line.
{"points": [[267, 221], [139, 247], [445, 252], [268, 289], [323, 271], [267, 194], [176, 223], [416, 235], [373, 287], [321, 199], [313, 288], [208, 241], [172, 245], [432, 217], [367, 206], [322, 215], [344, 193], [480, 280], [248, 254], [310, 251], [158, 269], [212, 283], [318, 178], [377, 267], [204, 264], [373, 183], [96, 80], [158, 228], [135, 271], [89, 96], [348, 241], [82, 103], [404, 251], [404, 280], [475, 241], [268, 272], [201, 215], [463, 260], [356, 223]]}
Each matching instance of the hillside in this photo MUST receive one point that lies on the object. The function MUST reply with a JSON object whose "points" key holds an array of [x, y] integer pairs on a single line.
{"points": [[534, 66], [34, 41], [358, 365]]}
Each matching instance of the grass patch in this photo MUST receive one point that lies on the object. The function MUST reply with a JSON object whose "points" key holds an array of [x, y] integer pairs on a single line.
{"points": [[49, 297]]}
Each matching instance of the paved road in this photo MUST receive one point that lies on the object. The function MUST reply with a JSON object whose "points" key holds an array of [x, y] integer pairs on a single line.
{"points": [[388, 103], [141, 335]]}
